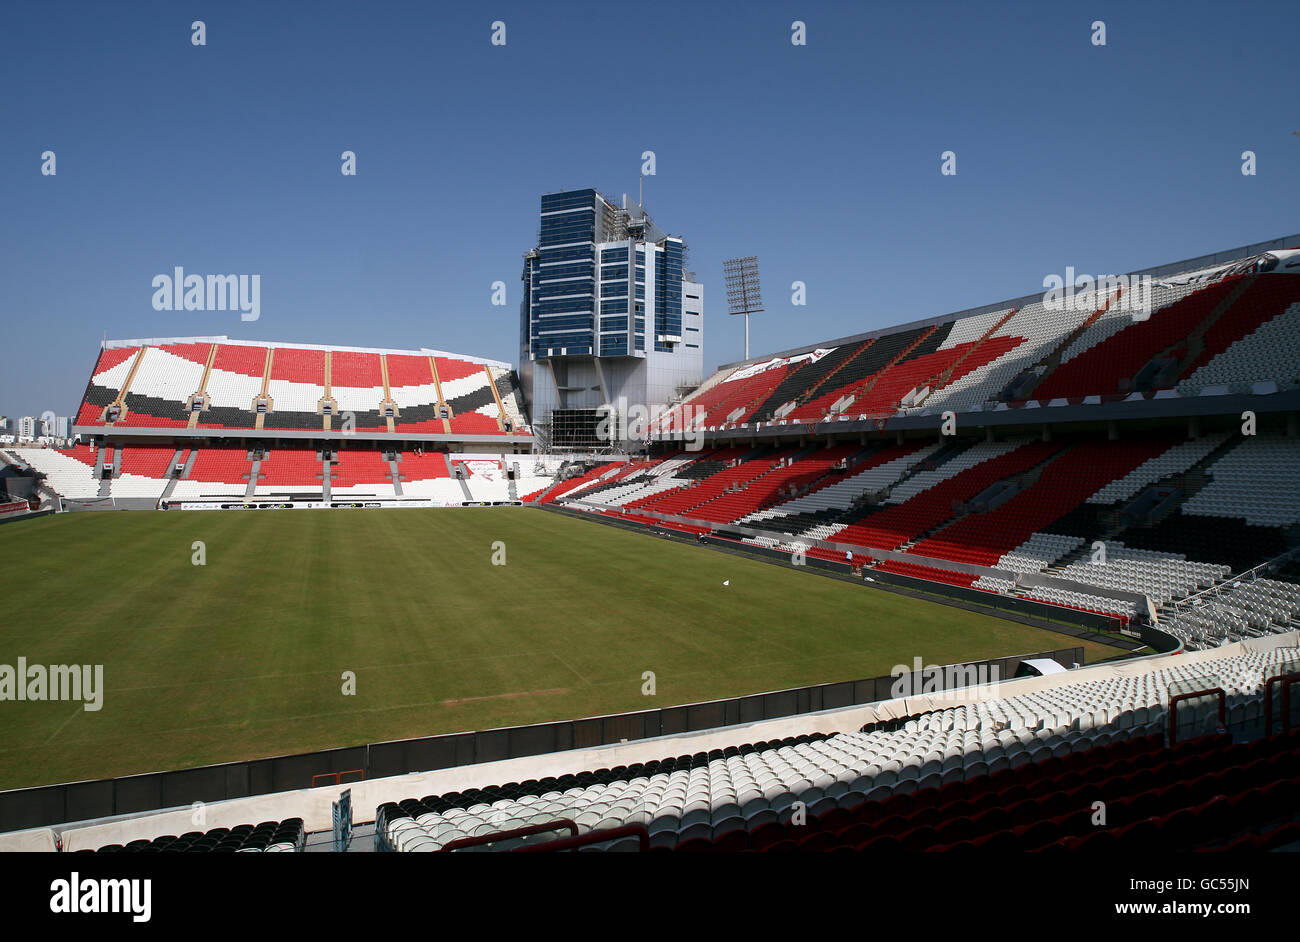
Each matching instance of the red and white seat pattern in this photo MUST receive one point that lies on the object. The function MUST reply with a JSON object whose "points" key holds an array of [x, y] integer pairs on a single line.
{"points": [[233, 377], [68, 471], [1195, 331]]}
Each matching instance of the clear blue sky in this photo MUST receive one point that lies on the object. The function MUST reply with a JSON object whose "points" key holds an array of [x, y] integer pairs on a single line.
{"points": [[823, 160]]}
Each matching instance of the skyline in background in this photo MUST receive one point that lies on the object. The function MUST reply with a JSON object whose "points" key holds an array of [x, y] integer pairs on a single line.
{"points": [[823, 160]]}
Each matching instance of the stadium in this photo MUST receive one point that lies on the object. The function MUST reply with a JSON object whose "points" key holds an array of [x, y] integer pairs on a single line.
{"points": [[410, 492], [1090, 508]]}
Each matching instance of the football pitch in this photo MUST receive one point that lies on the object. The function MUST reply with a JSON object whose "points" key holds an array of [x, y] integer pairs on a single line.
{"points": [[233, 635]]}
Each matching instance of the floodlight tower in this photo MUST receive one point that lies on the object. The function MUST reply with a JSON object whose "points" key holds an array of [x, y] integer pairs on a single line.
{"points": [[744, 294]]}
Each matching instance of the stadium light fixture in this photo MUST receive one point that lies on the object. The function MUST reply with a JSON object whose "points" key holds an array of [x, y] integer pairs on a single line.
{"points": [[744, 293]]}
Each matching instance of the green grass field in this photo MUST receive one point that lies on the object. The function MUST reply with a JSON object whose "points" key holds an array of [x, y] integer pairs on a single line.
{"points": [[243, 657]]}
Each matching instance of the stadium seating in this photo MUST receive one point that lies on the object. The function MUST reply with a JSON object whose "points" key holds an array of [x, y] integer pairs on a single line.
{"points": [[359, 466], [164, 379], [1195, 330], [295, 388], [801, 470], [1015, 771], [69, 472], [717, 404], [233, 386], [144, 472], [1270, 353], [1267, 301], [684, 501], [1172, 461], [572, 484], [917, 506], [1159, 576], [1037, 553], [982, 538], [1243, 609], [1037, 330], [1255, 481], [268, 837], [217, 472], [1112, 365], [871, 476], [426, 476], [1018, 506], [1051, 807]]}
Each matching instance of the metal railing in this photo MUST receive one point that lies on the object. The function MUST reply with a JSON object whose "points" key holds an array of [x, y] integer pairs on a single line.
{"points": [[1191, 602]]}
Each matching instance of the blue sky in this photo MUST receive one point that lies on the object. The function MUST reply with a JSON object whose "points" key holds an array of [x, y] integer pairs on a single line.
{"points": [[823, 160]]}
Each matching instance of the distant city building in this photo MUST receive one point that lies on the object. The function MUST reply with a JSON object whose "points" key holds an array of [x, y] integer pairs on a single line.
{"points": [[610, 318], [27, 429]]}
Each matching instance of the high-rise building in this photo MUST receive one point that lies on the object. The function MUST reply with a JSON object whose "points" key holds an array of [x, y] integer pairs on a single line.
{"points": [[610, 321], [27, 429]]}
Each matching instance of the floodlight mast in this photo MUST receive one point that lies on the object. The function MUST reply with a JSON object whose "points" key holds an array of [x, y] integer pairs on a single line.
{"points": [[744, 293]]}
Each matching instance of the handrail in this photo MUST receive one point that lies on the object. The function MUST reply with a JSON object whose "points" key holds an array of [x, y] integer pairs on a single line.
{"points": [[1232, 581], [1192, 695], [525, 831], [591, 837], [1286, 681], [338, 776]]}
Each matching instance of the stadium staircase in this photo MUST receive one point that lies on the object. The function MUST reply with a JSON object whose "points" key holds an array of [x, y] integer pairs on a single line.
{"points": [[180, 455], [102, 460], [254, 456], [744, 393], [749, 495], [1022, 386], [683, 501], [804, 524], [801, 377], [1109, 368], [897, 523], [462, 479], [810, 393], [1186, 351], [942, 380], [854, 394], [747, 408], [201, 394], [396, 472]]}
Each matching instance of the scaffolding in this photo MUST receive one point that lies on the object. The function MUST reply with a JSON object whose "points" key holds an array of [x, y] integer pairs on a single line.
{"points": [[584, 431], [577, 429]]}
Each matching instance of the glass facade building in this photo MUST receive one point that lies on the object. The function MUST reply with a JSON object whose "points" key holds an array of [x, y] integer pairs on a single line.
{"points": [[600, 275]]}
